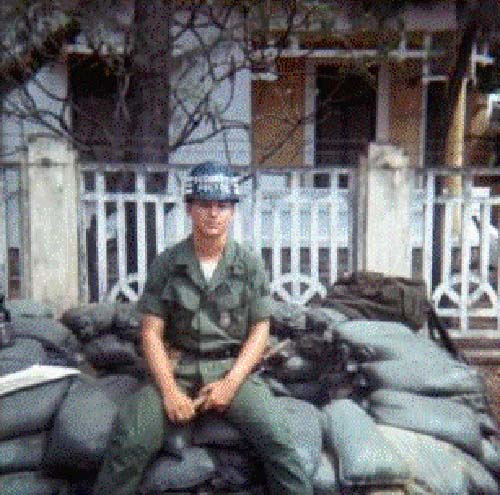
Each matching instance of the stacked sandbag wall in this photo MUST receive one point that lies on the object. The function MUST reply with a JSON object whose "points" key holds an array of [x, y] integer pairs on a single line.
{"points": [[350, 391], [26, 414]]}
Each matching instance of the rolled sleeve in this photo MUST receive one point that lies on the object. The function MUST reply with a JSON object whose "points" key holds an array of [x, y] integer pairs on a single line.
{"points": [[151, 301], [260, 299]]}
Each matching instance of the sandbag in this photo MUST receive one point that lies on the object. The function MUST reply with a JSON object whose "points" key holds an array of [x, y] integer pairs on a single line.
{"points": [[22, 453], [277, 387], [81, 429], [235, 470], [195, 467], [28, 308], [364, 455], [22, 354], [90, 320], [438, 417], [427, 378], [325, 478], [490, 449], [213, 430], [438, 466], [304, 421], [32, 483], [394, 347], [127, 321], [361, 331], [50, 332], [178, 437], [315, 392], [118, 387], [108, 351], [31, 410]]}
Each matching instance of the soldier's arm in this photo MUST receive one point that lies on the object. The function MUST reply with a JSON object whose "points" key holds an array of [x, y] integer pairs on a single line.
{"points": [[250, 355], [179, 407], [219, 394]]}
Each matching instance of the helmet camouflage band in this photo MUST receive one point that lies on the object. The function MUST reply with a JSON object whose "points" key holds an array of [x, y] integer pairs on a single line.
{"points": [[212, 182]]}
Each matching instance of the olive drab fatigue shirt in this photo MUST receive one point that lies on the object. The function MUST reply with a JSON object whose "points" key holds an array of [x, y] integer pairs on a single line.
{"points": [[203, 316]]}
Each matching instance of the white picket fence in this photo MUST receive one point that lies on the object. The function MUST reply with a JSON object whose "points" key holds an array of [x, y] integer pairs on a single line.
{"points": [[131, 213], [306, 234], [456, 232]]}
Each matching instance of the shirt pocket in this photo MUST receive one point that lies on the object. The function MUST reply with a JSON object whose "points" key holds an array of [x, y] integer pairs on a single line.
{"points": [[183, 302], [233, 314]]}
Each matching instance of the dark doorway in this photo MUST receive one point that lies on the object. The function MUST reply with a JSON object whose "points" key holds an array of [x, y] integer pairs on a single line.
{"points": [[346, 105]]}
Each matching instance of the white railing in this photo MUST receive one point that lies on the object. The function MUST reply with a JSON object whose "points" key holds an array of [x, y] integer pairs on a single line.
{"points": [[455, 226], [130, 213]]}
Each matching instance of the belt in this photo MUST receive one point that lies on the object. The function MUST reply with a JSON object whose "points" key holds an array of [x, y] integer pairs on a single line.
{"points": [[227, 353]]}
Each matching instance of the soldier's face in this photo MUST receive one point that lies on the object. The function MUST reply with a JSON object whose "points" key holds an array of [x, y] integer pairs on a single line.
{"points": [[211, 218]]}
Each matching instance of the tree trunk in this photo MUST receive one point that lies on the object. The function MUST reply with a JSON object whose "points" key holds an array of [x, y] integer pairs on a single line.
{"points": [[150, 83]]}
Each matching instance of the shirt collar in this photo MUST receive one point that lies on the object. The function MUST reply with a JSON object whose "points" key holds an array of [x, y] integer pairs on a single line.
{"points": [[185, 259]]}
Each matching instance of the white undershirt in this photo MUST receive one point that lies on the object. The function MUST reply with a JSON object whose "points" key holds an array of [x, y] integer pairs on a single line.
{"points": [[208, 268]]}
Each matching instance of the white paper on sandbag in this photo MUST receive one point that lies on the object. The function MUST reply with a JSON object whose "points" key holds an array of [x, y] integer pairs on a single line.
{"points": [[34, 375]]}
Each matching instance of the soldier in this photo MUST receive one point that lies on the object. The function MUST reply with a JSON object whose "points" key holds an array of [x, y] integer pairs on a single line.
{"points": [[205, 327]]}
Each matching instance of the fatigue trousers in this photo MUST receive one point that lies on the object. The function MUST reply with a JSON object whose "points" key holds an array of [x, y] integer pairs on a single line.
{"points": [[140, 429]]}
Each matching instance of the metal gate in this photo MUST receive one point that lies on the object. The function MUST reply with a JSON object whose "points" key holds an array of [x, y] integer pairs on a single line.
{"points": [[132, 212]]}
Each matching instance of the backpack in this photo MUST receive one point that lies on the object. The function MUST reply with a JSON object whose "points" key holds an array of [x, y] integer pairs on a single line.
{"points": [[374, 296]]}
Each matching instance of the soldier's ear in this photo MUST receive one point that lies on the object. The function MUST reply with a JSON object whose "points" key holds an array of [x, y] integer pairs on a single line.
{"points": [[188, 207]]}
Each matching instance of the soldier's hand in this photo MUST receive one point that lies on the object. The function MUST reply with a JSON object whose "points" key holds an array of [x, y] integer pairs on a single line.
{"points": [[179, 407], [217, 395]]}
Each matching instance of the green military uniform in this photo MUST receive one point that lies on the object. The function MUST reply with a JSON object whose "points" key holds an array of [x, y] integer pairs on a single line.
{"points": [[207, 321]]}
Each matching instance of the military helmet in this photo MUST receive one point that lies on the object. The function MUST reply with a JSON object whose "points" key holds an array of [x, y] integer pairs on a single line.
{"points": [[212, 182]]}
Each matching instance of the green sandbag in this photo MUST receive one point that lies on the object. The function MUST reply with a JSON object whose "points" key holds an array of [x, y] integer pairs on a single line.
{"points": [[439, 467], [51, 333], [90, 320], [127, 321], [364, 455], [118, 387], [213, 430], [108, 351], [172, 473], [360, 331], [28, 308], [491, 455], [22, 354], [325, 479], [438, 417], [304, 421], [235, 470], [22, 453], [177, 438], [32, 409], [380, 348], [81, 429], [420, 377], [32, 483]]}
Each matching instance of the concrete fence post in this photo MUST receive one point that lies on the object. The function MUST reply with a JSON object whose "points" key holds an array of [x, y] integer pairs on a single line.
{"points": [[386, 183], [51, 247]]}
